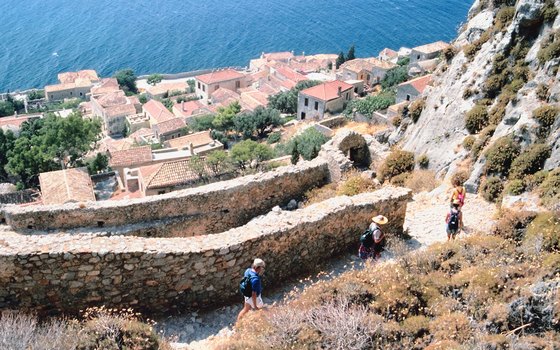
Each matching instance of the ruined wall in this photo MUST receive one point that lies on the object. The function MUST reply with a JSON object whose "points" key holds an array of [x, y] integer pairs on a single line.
{"points": [[207, 209], [65, 273]]}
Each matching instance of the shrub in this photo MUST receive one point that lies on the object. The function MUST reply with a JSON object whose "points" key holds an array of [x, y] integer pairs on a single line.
{"points": [[512, 225], [482, 140], [529, 161], [549, 189], [423, 161], [546, 115], [449, 52], [416, 109], [416, 326], [274, 137], [515, 187], [355, 184], [492, 188], [319, 194], [498, 112], [494, 84], [421, 180], [399, 180], [468, 92], [549, 11], [504, 17], [550, 48], [397, 162], [397, 120], [476, 119], [544, 230], [542, 92], [468, 142], [454, 326], [500, 156], [534, 181]]}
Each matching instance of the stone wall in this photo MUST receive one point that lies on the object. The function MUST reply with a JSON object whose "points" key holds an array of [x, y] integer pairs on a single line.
{"points": [[63, 273], [207, 209]]}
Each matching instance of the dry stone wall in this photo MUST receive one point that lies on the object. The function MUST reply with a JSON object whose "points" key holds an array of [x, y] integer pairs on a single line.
{"points": [[207, 209], [55, 273]]}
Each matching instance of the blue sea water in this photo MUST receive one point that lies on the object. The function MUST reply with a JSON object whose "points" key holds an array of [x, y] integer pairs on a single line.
{"points": [[40, 38]]}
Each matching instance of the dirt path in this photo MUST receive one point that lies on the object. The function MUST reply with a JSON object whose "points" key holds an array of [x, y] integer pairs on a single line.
{"points": [[424, 222]]}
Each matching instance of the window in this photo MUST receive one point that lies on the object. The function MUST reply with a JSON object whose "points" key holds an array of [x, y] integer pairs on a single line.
{"points": [[70, 93], [368, 77], [203, 87], [347, 96], [418, 57], [356, 90], [407, 97], [199, 84], [306, 103], [237, 84], [81, 94], [302, 115], [316, 105]]}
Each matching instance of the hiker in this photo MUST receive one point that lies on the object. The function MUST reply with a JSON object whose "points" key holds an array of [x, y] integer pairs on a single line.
{"points": [[459, 194], [252, 283], [454, 220], [372, 241]]}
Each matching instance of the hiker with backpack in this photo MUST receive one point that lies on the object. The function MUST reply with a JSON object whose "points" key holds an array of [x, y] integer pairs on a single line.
{"points": [[459, 194], [251, 288], [372, 240], [454, 220]]}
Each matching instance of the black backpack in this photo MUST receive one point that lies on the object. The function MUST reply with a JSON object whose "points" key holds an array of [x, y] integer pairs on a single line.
{"points": [[453, 220], [366, 239], [245, 286]]}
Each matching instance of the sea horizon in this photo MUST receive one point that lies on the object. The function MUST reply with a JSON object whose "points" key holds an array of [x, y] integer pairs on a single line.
{"points": [[175, 36]]}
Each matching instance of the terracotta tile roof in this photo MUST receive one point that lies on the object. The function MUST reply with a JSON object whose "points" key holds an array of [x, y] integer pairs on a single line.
{"points": [[290, 74], [189, 108], [367, 64], [219, 76], [120, 110], [327, 91], [388, 52], [197, 139], [140, 132], [65, 186], [221, 95], [59, 87], [71, 77], [112, 145], [157, 111], [130, 157], [432, 47], [254, 99], [14, 121], [112, 99], [419, 83], [105, 86], [278, 56], [170, 125], [168, 174]]}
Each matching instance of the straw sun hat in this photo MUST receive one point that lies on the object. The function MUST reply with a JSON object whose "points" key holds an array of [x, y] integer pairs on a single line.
{"points": [[379, 219]]}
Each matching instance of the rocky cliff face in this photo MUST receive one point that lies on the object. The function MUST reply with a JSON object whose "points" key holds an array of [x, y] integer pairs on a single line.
{"points": [[494, 34]]}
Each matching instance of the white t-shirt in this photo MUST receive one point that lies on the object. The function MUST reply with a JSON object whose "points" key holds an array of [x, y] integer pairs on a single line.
{"points": [[376, 231]]}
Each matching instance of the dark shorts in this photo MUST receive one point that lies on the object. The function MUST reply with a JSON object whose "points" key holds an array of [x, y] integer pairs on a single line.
{"points": [[452, 231], [366, 253]]}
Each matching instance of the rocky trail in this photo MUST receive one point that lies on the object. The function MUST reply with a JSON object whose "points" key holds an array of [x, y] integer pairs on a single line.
{"points": [[425, 224]]}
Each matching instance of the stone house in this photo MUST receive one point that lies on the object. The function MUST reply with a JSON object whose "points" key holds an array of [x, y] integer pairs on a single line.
{"points": [[388, 55], [169, 129], [66, 186], [410, 90], [72, 85], [330, 97], [168, 176], [230, 79], [370, 70], [199, 143], [156, 112], [188, 110], [427, 52], [124, 160], [113, 108]]}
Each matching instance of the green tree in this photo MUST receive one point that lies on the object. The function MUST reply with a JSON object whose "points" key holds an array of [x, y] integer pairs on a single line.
{"points": [[153, 79], [307, 144], [198, 165], [36, 95], [340, 59], [51, 143], [127, 81], [224, 118], [259, 121], [247, 151], [6, 108], [371, 104], [191, 87], [295, 153], [204, 122], [7, 140], [143, 98], [219, 162], [98, 164], [351, 53], [286, 102], [394, 77]]}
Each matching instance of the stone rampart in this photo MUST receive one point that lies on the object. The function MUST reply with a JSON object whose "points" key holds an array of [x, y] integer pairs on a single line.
{"points": [[207, 209], [63, 273]]}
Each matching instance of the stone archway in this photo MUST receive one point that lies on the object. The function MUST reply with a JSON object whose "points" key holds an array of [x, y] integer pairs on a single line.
{"points": [[355, 148]]}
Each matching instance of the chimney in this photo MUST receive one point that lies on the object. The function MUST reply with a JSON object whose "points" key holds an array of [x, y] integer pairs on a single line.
{"points": [[191, 148], [183, 106], [339, 91]]}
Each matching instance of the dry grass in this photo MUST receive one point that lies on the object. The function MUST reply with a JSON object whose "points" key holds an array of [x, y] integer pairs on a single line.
{"points": [[422, 180], [362, 128], [466, 292], [353, 183]]}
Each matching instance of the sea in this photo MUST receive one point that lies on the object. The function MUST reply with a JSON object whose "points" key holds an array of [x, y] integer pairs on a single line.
{"points": [[40, 38]]}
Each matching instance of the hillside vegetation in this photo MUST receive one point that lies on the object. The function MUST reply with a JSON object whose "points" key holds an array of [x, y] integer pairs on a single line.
{"points": [[498, 291]]}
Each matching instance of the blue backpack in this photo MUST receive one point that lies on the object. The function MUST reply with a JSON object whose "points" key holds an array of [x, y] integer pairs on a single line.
{"points": [[246, 285]]}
